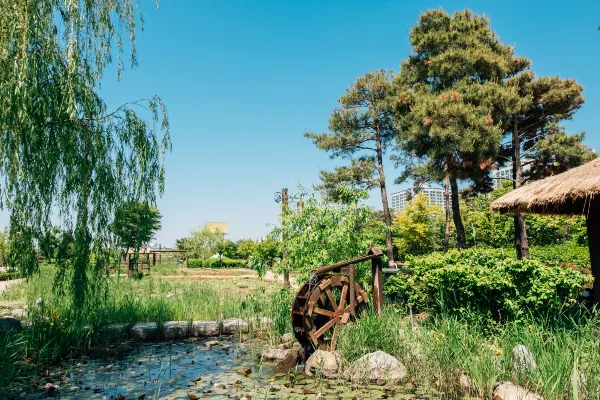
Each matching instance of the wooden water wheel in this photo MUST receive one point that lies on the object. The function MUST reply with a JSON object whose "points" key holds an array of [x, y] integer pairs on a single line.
{"points": [[321, 306]]}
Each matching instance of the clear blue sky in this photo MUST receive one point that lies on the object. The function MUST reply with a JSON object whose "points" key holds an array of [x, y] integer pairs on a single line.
{"points": [[244, 79]]}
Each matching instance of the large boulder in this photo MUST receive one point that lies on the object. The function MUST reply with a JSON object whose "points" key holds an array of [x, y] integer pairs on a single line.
{"points": [[377, 367], [274, 354], [176, 330], [232, 326], [510, 391], [205, 328], [291, 359], [323, 363], [10, 324], [287, 338], [145, 331], [523, 360]]}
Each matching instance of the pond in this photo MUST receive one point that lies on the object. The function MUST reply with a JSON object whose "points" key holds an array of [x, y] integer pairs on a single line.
{"points": [[198, 369]]}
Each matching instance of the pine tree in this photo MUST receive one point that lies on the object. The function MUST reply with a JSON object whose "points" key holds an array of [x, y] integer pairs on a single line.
{"points": [[450, 99], [532, 138], [362, 130]]}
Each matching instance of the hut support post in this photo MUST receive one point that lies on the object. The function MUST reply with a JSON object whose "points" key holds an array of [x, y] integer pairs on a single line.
{"points": [[377, 279], [593, 231]]}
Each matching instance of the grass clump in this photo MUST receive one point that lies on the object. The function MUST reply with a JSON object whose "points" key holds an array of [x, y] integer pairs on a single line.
{"points": [[446, 346]]}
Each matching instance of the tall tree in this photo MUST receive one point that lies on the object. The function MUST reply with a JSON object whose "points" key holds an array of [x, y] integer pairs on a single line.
{"points": [[61, 148], [531, 134], [362, 130], [451, 85], [134, 225]]}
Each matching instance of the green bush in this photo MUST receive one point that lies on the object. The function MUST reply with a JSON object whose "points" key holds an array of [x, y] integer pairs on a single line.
{"points": [[6, 276], [485, 283], [216, 263]]}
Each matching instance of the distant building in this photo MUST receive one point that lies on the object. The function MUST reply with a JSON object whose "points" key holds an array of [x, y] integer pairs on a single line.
{"points": [[500, 174], [217, 227], [435, 197], [505, 173]]}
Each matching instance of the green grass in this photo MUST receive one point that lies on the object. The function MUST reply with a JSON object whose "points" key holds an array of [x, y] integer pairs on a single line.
{"points": [[444, 347], [57, 333]]}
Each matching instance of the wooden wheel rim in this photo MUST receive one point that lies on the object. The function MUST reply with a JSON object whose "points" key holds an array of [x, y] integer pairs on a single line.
{"points": [[320, 312]]}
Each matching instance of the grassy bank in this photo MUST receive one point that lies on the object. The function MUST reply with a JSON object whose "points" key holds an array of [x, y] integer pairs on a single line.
{"points": [[444, 347], [57, 333]]}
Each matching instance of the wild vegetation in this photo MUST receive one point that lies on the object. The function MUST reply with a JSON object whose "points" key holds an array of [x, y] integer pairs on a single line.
{"points": [[462, 104]]}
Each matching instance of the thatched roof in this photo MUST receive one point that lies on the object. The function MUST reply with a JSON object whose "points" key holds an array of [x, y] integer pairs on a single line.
{"points": [[568, 193]]}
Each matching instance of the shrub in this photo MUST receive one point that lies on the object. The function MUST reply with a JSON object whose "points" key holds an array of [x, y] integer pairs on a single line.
{"points": [[6, 276], [485, 283], [216, 263]]}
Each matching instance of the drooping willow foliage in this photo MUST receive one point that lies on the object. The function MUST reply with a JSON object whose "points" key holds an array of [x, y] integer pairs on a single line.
{"points": [[62, 151]]}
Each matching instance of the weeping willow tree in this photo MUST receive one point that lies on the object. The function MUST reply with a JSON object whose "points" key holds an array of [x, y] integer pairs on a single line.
{"points": [[63, 152]]}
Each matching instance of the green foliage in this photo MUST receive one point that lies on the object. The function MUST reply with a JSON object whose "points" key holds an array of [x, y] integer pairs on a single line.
{"points": [[280, 310], [134, 224], [62, 149], [359, 127], [266, 255], [245, 248], [418, 227], [451, 101], [216, 263], [487, 284], [324, 233], [202, 242], [556, 152], [448, 346], [7, 276]]}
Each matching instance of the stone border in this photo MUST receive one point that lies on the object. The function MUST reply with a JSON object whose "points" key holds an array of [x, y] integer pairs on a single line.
{"points": [[172, 330]]}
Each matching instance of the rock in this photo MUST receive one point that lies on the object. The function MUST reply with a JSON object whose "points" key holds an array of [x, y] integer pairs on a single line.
{"points": [[377, 367], [324, 363], [176, 329], [274, 354], [242, 285], [205, 328], [18, 313], [117, 328], [465, 383], [10, 324], [291, 359], [212, 343], [232, 326], [523, 359], [510, 391], [287, 338], [145, 331]]}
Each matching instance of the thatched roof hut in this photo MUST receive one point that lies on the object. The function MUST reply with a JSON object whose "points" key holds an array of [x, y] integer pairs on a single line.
{"points": [[568, 193], [576, 191]]}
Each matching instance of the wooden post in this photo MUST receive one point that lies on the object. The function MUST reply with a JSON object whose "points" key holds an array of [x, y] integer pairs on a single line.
{"points": [[352, 293], [284, 205], [593, 230], [377, 279]]}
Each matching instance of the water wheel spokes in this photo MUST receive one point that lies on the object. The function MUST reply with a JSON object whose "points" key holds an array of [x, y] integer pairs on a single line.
{"points": [[321, 307]]}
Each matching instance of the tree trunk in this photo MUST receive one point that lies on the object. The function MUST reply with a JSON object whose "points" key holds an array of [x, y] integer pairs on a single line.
{"points": [[447, 211], [593, 231], [566, 230], [384, 200], [521, 243], [460, 228]]}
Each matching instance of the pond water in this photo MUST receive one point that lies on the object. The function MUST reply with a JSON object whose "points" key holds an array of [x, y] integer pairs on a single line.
{"points": [[196, 370]]}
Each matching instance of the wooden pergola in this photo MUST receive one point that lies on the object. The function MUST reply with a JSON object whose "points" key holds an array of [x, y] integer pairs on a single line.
{"points": [[574, 192], [148, 258]]}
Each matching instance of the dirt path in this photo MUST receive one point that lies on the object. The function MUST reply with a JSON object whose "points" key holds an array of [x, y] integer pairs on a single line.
{"points": [[269, 276]]}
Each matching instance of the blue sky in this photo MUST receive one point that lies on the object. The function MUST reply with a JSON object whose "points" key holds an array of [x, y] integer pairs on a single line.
{"points": [[244, 79]]}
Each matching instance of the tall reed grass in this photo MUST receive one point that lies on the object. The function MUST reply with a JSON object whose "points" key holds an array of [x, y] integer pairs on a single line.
{"points": [[444, 347]]}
